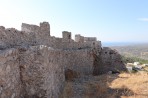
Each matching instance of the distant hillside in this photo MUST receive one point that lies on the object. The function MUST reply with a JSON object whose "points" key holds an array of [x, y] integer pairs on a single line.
{"points": [[110, 44], [139, 50]]}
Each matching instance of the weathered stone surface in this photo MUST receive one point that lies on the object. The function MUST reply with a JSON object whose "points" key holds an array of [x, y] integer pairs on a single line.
{"points": [[71, 75], [34, 64], [10, 83], [79, 38], [111, 61], [42, 73]]}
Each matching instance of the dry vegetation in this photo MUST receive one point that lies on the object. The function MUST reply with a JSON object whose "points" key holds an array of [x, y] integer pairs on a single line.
{"points": [[108, 86], [133, 50]]}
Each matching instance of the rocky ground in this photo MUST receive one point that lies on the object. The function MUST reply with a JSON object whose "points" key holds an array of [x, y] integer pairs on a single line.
{"points": [[122, 85]]}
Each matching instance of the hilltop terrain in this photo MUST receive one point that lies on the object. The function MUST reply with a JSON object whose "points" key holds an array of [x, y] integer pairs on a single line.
{"points": [[139, 50]]}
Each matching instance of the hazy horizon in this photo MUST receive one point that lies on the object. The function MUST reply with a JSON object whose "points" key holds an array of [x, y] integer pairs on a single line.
{"points": [[109, 44]]}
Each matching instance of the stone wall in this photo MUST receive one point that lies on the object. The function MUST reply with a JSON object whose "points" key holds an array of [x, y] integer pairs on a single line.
{"points": [[33, 63], [12, 38], [79, 38], [43, 28], [42, 72], [41, 33], [35, 72], [32, 35], [43, 69], [38, 71], [10, 79], [80, 61]]}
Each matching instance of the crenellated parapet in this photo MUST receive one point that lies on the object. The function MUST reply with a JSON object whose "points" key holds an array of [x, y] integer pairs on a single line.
{"points": [[40, 35], [43, 28]]}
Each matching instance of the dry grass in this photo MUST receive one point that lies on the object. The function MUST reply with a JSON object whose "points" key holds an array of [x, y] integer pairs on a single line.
{"points": [[109, 86], [137, 83]]}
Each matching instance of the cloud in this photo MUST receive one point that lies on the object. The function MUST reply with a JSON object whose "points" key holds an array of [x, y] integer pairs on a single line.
{"points": [[143, 19]]}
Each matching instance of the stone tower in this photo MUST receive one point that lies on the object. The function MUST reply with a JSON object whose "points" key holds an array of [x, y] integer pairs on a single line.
{"points": [[66, 35], [45, 27]]}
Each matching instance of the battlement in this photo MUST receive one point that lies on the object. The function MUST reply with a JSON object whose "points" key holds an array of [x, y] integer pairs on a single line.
{"points": [[40, 35], [66, 35], [43, 28]]}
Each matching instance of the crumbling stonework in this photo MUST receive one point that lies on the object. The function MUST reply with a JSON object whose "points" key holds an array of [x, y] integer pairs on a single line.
{"points": [[42, 72], [33, 64], [10, 81], [79, 38], [111, 61]]}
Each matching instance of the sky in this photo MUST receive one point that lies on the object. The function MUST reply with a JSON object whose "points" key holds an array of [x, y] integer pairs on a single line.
{"points": [[108, 20]]}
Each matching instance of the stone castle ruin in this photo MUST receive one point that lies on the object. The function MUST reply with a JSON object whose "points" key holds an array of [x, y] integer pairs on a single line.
{"points": [[33, 64]]}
